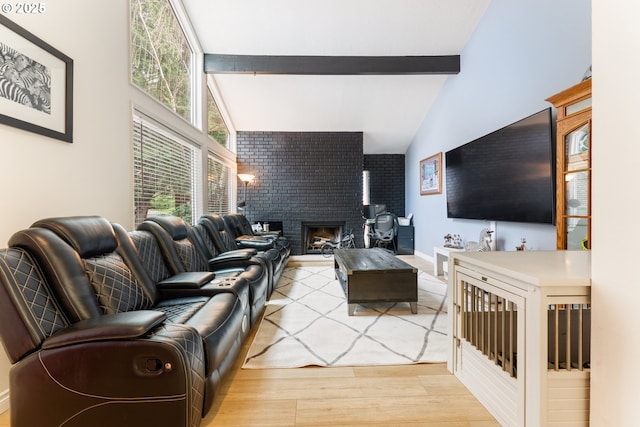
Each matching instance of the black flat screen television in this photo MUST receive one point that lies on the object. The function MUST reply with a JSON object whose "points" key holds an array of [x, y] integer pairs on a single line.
{"points": [[507, 175]]}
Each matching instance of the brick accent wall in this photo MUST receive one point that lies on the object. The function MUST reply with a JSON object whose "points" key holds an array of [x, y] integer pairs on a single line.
{"points": [[386, 180], [303, 177]]}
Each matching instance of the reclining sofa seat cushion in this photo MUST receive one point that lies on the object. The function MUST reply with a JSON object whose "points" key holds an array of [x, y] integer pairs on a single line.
{"points": [[218, 318], [183, 252], [42, 345]]}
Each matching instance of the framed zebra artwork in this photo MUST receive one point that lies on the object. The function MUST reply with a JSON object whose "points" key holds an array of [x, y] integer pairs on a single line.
{"points": [[36, 84]]}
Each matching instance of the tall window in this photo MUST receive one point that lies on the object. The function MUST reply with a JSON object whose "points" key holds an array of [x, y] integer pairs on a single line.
{"points": [[169, 167], [216, 127], [162, 59], [218, 183], [164, 172]]}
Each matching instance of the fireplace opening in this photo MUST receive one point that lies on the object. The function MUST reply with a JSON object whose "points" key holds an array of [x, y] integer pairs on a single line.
{"points": [[316, 234]]}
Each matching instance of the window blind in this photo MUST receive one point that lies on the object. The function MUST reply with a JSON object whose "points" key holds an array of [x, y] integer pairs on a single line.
{"points": [[218, 185], [164, 172]]}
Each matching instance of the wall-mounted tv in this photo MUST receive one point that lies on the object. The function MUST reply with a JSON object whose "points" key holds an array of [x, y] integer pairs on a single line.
{"points": [[507, 175]]}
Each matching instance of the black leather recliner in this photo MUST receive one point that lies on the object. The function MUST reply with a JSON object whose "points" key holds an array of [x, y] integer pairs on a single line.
{"points": [[93, 341], [128, 368], [224, 242], [144, 256], [79, 366], [240, 228], [240, 257], [182, 252]]}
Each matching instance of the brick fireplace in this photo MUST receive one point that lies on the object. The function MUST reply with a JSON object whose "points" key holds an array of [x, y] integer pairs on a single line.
{"points": [[314, 234], [304, 178]]}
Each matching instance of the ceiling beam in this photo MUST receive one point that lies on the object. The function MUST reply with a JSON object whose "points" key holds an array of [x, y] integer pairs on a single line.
{"points": [[331, 65]]}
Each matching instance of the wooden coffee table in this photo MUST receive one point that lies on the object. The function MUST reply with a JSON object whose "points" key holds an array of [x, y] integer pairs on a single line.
{"points": [[375, 275]]}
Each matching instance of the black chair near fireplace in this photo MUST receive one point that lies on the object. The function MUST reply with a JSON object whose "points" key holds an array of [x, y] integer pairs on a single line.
{"points": [[385, 231]]}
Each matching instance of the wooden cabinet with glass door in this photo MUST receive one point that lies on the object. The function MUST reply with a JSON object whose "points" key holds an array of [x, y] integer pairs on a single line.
{"points": [[573, 166]]}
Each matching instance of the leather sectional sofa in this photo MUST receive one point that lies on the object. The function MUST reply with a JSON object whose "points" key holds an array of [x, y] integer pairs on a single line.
{"points": [[107, 327]]}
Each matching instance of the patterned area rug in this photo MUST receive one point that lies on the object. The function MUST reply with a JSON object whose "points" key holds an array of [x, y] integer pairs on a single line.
{"points": [[305, 323]]}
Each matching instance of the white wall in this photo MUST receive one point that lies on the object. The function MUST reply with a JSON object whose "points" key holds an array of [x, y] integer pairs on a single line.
{"points": [[615, 376], [44, 177], [521, 53]]}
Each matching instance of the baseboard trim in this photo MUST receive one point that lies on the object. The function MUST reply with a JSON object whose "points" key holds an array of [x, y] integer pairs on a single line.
{"points": [[424, 256], [4, 401], [312, 259]]}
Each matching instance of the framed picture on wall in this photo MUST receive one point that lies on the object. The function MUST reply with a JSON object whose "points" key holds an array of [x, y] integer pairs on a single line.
{"points": [[431, 175], [36, 84]]}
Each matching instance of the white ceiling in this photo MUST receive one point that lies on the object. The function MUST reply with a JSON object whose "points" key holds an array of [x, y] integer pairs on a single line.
{"points": [[387, 109]]}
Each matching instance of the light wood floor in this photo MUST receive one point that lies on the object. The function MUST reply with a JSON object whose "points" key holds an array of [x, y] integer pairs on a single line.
{"points": [[408, 395]]}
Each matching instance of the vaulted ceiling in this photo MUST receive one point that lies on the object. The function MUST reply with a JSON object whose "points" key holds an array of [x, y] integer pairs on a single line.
{"points": [[387, 107]]}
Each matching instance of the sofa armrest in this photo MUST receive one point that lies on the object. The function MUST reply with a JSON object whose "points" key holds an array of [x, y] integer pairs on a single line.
{"points": [[125, 325], [230, 260], [240, 252], [254, 242], [187, 280], [268, 234]]}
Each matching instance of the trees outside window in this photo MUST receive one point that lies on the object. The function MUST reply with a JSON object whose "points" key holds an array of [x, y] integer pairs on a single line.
{"points": [[217, 129], [161, 62]]}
